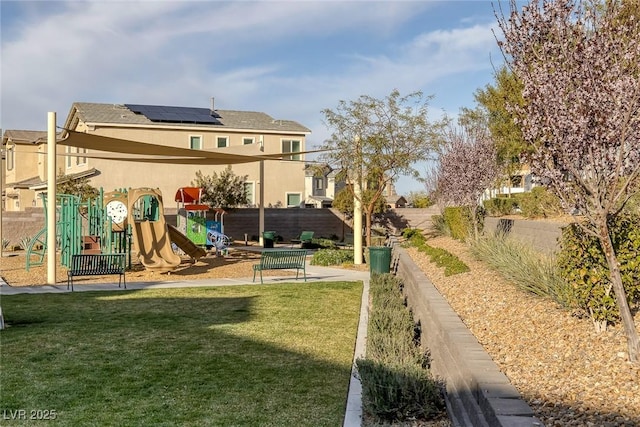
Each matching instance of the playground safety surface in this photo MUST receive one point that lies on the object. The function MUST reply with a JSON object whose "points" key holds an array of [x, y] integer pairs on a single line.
{"points": [[237, 264]]}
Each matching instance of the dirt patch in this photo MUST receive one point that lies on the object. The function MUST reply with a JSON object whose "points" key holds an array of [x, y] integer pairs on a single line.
{"points": [[238, 264]]}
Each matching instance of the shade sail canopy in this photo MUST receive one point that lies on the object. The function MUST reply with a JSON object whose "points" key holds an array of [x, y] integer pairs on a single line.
{"points": [[126, 150]]}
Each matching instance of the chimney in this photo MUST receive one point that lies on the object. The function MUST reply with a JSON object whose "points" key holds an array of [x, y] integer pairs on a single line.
{"points": [[212, 109]]}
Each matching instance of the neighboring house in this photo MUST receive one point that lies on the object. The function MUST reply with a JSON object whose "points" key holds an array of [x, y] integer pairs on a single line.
{"points": [[238, 132], [395, 201], [320, 186], [520, 182], [24, 168]]}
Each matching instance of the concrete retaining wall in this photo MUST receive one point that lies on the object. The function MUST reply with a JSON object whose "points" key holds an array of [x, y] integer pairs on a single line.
{"points": [[542, 235], [478, 394]]}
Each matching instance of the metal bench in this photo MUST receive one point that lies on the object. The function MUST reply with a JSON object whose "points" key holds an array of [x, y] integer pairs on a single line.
{"points": [[347, 242], [282, 259], [304, 237], [97, 265]]}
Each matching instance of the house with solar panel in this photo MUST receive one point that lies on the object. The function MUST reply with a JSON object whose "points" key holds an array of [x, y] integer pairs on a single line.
{"points": [[207, 129]]}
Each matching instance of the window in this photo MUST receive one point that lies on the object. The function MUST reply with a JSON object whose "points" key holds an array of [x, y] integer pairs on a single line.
{"points": [[223, 141], [291, 146], [68, 151], [10, 156], [81, 160], [249, 190], [248, 141], [195, 142], [293, 200], [318, 183], [516, 181]]}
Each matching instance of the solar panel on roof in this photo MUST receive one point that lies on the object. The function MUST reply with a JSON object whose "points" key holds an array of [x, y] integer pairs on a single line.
{"points": [[168, 114]]}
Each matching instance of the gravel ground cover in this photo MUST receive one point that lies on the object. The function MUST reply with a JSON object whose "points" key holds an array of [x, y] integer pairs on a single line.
{"points": [[569, 374]]}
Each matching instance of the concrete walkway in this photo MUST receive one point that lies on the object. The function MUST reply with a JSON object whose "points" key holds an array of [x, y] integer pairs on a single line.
{"points": [[353, 414]]}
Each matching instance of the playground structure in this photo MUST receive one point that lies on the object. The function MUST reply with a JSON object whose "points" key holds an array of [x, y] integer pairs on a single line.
{"points": [[81, 227], [192, 220], [117, 222], [149, 230]]}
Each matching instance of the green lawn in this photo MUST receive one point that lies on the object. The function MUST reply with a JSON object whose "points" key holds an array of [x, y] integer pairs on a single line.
{"points": [[276, 355]]}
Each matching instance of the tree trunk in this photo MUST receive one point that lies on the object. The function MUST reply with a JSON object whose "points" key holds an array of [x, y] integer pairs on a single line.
{"points": [[367, 226], [474, 215], [633, 341]]}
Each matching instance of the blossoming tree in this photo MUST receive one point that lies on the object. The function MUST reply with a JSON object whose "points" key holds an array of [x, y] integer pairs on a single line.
{"points": [[467, 166], [580, 71]]}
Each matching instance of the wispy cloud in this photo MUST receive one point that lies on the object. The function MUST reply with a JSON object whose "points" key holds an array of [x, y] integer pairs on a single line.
{"points": [[289, 59]]}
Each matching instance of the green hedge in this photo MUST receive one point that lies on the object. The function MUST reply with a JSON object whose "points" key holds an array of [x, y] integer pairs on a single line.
{"points": [[332, 257], [458, 221], [538, 203], [500, 206]]}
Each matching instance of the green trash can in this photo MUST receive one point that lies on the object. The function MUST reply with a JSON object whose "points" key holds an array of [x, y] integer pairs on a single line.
{"points": [[379, 259], [268, 237]]}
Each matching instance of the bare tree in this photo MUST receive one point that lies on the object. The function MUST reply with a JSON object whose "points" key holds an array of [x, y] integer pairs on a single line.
{"points": [[468, 166], [376, 140], [580, 71]]}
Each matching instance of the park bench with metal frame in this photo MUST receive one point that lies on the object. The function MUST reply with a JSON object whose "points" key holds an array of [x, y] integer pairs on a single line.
{"points": [[282, 259], [303, 238], [97, 265]]}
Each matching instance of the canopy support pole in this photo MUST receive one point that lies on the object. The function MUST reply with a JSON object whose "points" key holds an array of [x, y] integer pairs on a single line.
{"points": [[51, 198]]}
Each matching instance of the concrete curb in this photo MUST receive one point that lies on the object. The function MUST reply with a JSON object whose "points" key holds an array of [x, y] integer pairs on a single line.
{"points": [[353, 414]]}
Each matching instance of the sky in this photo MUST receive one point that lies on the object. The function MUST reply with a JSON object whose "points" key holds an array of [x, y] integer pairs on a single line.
{"points": [[289, 59]]}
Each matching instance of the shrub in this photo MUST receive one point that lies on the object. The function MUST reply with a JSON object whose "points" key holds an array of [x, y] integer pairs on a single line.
{"points": [[408, 233], [458, 220], [442, 258], [440, 226], [24, 242], [526, 268], [398, 393], [499, 206], [414, 236], [332, 257], [538, 203], [582, 264], [395, 384], [391, 330]]}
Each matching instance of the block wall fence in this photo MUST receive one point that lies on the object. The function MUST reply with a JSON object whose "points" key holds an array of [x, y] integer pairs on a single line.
{"points": [[288, 223]]}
